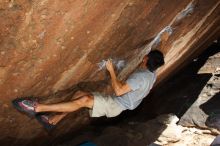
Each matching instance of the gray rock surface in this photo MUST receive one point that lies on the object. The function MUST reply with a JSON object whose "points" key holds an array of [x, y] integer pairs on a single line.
{"points": [[206, 108]]}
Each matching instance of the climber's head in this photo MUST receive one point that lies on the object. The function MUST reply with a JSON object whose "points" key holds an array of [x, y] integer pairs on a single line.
{"points": [[154, 60]]}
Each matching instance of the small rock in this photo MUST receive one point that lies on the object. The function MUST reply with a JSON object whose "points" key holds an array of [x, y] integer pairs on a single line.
{"points": [[171, 134], [168, 119]]}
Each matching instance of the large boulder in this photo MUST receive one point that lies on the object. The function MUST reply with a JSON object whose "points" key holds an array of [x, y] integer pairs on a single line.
{"points": [[48, 46], [205, 110]]}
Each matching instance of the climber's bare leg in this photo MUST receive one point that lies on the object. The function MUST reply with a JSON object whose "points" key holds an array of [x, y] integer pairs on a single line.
{"points": [[82, 101], [56, 118]]}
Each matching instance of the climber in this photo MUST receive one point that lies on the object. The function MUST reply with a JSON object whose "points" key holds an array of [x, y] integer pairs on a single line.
{"points": [[128, 95]]}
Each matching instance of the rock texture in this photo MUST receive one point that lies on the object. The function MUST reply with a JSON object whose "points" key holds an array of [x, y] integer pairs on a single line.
{"points": [[176, 135], [147, 133], [48, 46], [207, 104]]}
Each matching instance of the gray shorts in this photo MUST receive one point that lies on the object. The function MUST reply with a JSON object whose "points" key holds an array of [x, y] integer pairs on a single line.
{"points": [[104, 105]]}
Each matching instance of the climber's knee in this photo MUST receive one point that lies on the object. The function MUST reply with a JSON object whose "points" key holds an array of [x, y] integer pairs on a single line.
{"points": [[79, 94], [85, 101]]}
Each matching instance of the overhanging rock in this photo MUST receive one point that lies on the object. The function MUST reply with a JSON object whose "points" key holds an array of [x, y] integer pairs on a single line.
{"points": [[48, 45]]}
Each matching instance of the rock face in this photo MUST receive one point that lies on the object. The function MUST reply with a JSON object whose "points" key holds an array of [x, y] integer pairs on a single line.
{"points": [[48, 46], [207, 104]]}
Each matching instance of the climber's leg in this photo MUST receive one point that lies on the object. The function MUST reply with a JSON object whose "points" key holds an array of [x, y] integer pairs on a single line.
{"points": [[71, 106], [58, 117], [81, 99], [79, 94]]}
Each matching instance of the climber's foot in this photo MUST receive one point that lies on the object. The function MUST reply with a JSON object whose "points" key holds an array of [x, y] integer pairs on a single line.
{"points": [[55, 119], [45, 121], [25, 105]]}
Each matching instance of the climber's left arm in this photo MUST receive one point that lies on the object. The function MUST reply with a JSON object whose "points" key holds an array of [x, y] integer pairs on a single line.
{"points": [[119, 87]]}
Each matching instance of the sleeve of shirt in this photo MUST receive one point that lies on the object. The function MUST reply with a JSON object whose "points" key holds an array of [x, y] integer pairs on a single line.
{"points": [[135, 82]]}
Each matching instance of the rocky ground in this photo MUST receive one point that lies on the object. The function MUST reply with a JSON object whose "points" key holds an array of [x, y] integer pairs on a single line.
{"points": [[161, 131], [177, 135]]}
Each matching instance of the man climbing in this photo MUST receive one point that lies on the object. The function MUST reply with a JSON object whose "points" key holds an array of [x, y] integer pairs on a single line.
{"points": [[128, 95]]}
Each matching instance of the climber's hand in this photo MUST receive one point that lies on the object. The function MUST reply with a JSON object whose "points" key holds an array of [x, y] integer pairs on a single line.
{"points": [[109, 65]]}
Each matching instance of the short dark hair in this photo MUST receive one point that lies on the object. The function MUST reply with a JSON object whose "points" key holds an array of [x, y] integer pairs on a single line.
{"points": [[155, 60]]}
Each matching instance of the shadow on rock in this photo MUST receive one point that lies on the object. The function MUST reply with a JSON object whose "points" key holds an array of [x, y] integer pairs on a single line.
{"points": [[212, 109]]}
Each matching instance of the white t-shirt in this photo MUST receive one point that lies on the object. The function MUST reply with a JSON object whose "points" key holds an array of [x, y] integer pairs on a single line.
{"points": [[140, 82]]}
